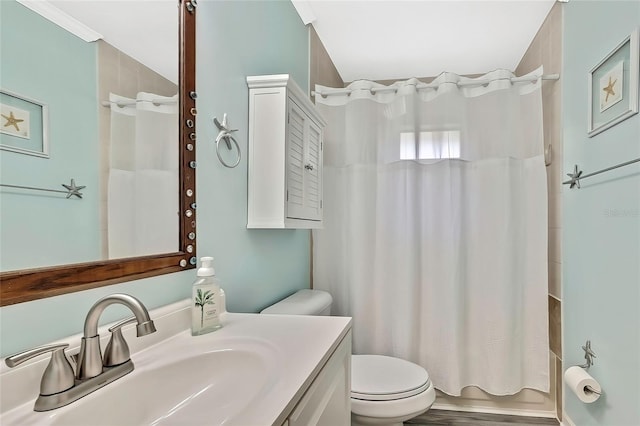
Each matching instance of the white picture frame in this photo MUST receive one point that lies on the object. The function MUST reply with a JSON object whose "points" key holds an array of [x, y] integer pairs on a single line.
{"points": [[24, 127], [613, 86]]}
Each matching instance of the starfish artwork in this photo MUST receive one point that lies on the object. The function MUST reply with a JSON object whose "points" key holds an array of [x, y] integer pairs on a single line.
{"points": [[609, 89], [12, 121], [612, 86]]}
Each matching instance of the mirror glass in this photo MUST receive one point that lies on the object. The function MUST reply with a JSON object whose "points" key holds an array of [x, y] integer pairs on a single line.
{"points": [[89, 99]]}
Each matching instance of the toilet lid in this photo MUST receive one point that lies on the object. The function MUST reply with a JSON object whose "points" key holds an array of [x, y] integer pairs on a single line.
{"points": [[383, 378]]}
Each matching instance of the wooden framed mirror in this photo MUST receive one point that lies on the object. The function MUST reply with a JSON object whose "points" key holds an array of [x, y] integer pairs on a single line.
{"points": [[23, 285]]}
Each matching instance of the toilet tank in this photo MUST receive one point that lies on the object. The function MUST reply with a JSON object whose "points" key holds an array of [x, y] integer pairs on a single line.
{"points": [[303, 302]]}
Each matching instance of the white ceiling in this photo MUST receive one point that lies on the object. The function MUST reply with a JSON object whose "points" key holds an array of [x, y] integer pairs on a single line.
{"points": [[366, 39], [396, 39], [146, 30]]}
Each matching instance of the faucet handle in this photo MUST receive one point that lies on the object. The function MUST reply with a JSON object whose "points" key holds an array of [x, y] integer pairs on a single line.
{"points": [[117, 350], [58, 376]]}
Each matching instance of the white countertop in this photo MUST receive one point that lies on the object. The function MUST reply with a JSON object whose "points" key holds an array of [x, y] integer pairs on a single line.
{"points": [[299, 348]]}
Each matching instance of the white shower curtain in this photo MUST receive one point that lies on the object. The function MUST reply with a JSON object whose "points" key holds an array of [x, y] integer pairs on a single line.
{"points": [[435, 227], [143, 176]]}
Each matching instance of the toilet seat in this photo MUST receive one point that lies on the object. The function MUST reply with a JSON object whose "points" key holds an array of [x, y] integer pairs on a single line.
{"points": [[384, 378]]}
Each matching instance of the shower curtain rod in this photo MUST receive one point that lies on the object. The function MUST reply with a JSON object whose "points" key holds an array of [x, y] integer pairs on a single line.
{"points": [[156, 102], [421, 86]]}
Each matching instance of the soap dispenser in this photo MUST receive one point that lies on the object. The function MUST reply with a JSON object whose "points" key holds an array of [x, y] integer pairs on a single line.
{"points": [[205, 300]]}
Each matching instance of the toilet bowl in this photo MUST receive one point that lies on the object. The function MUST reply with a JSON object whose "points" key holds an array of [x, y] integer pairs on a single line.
{"points": [[385, 391]]}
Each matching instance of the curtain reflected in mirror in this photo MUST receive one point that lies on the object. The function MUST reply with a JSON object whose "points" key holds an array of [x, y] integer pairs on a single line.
{"points": [[142, 185]]}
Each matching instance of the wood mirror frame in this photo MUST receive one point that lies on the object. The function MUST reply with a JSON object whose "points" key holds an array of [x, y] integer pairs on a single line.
{"points": [[31, 284]]}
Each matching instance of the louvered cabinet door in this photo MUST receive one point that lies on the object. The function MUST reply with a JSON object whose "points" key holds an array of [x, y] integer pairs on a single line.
{"points": [[304, 166], [313, 173], [296, 132]]}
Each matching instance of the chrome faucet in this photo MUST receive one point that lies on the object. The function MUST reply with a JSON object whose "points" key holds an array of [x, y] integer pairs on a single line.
{"points": [[90, 357], [59, 387]]}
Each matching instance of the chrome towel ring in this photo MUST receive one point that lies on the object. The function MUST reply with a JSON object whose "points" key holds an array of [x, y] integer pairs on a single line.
{"points": [[225, 134]]}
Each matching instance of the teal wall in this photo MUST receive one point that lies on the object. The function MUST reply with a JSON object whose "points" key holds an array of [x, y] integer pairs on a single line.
{"points": [[601, 224], [237, 39], [256, 267], [39, 228]]}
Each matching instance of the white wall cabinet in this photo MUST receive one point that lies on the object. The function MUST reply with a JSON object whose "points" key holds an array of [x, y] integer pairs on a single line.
{"points": [[285, 155]]}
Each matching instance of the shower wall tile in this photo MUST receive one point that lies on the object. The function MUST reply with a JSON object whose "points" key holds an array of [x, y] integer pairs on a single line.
{"points": [[555, 211], [128, 76], [553, 177], [553, 136], [105, 135], [555, 245], [555, 279], [322, 69], [164, 87], [108, 72], [552, 50], [559, 388], [546, 50], [532, 59], [555, 336]]}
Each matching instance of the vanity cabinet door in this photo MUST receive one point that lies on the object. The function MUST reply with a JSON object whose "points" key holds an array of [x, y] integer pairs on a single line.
{"points": [[327, 402]]}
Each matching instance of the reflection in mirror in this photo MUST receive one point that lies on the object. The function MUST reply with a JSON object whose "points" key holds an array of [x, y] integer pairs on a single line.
{"points": [[112, 102], [139, 161], [113, 121]]}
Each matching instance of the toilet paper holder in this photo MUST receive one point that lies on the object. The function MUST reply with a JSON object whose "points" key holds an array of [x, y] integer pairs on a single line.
{"points": [[588, 356], [590, 389]]}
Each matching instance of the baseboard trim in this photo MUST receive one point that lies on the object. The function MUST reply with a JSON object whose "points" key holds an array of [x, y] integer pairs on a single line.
{"points": [[493, 410]]}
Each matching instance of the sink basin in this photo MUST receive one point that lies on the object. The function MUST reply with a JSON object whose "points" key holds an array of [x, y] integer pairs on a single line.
{"points": [[253, 371], [208, 387], [207, 382]]}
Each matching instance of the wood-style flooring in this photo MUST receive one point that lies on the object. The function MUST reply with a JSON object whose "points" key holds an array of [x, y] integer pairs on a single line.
{"points": [[459, 418]]}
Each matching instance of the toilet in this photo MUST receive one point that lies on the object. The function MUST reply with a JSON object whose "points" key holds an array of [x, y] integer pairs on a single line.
{"points": [[385, 391]]}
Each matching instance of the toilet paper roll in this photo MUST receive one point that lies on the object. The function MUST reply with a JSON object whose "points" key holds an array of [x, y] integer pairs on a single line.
{"points": [[578, 379]]}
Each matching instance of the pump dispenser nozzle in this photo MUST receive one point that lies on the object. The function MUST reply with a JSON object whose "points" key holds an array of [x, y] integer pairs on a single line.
{"points": [[206, 268]]}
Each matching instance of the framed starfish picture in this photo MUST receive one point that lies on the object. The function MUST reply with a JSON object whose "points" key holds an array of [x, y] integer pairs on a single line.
{"points": [[613, 86], [23, 125]]}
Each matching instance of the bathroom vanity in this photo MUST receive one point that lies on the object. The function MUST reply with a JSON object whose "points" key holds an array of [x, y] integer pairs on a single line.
{"points": [[256, 370]]}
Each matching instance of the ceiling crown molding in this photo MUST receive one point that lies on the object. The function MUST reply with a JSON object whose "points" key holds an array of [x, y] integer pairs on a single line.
{"points": [[60, 18], [305, 11]]}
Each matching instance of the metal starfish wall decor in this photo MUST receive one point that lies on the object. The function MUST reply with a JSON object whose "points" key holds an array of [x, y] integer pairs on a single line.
{"points": [[577, 174], [575, 177], [73, 189]]}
